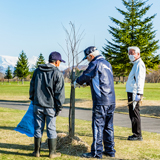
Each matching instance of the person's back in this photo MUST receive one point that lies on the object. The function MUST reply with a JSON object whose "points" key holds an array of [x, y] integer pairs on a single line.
{"points": [[100, 77], [47, 94], [47, 78], [104, 77]]}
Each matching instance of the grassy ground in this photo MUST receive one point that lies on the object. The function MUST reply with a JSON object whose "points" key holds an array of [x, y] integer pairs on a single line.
{"points": [[17, 91], [16, 146]]}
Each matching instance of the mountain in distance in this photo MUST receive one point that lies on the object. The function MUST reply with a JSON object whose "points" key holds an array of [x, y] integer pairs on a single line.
{"points": [[80, 67], [11, 61]]}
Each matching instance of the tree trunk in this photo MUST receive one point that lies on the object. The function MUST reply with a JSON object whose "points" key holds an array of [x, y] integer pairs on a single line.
{"points": [[22, 80], [72, 107], [123, 80]]}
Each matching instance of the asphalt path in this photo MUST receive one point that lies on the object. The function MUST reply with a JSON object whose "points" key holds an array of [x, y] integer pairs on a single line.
{"points": [[122, 120]]}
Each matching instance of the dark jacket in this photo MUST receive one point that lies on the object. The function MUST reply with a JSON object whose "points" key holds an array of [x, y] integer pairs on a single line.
{"points": [[100, 78], [47, 87]]}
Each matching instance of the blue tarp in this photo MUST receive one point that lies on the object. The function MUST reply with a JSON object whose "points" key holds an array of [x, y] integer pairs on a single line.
{"points": [[26, 125]]}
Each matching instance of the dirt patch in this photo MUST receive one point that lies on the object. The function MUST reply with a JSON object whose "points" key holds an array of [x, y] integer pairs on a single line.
{"points": [[148, 107], [67, 145]]}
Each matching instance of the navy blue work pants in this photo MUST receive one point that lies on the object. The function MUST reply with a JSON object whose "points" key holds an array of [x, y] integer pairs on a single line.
{"points": [[42, 114], [103, 132]]}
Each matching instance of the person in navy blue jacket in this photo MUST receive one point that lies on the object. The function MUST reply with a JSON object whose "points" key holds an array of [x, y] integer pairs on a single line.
{"points": [[99, 76]]}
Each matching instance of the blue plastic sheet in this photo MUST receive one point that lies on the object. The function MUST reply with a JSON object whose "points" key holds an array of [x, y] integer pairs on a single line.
{"points": [[26, 125]]}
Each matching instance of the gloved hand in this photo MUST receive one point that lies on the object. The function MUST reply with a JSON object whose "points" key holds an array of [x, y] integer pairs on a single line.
{"points": [[138, 98], [57, 113], [84, 85], [75, 84]]}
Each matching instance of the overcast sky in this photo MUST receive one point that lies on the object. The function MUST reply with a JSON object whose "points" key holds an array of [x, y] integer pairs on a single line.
{"points": [[35, 26]]}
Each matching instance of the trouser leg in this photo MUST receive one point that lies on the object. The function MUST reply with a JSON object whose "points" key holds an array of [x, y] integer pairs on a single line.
{"points": [[51, 132], [39, 121], [51, 123], [108, 132], [134, 116], [97, 129]]}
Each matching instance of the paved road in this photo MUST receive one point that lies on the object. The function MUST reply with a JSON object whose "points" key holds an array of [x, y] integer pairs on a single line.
{"points": [[122, 120]]}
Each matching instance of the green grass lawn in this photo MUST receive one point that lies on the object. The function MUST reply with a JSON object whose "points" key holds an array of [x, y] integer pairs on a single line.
{"points": [[17, 91], [17, 146]]}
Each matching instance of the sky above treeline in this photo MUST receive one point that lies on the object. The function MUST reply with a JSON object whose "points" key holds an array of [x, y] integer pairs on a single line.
{"points": [[36, 26]]}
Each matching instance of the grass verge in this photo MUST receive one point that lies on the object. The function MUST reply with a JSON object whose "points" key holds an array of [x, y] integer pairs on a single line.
{"points": [[18, 91]]}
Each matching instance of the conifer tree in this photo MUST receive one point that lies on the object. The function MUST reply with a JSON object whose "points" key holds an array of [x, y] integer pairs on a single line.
{"points": [[134, 30], [8, 74], [22, 67], [40, 60]]}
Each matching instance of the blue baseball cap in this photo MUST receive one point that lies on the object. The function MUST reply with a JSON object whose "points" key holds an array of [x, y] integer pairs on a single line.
{"points": [[56, 56], [88, 51]]}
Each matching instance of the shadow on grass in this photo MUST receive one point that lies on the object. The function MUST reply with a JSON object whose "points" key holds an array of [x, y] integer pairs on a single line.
{"points": [[7, 128], [120, 138], [15, 153], [16, 146], [65, 146], [19, 147]]}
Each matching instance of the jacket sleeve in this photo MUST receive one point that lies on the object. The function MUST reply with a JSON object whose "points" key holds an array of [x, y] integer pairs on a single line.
{"points": [[31, 90], [87, 75], [59, 92], [140, 78]]}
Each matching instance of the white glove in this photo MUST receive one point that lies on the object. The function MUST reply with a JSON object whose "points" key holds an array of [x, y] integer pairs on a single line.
{"points": [[75, 84], [84, 85], [137, 98]]}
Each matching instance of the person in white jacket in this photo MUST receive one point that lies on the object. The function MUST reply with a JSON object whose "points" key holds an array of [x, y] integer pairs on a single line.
{"points": [[134, 89]]}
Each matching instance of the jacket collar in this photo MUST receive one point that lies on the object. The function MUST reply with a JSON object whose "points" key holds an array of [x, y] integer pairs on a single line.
{"points": [[139, 59], [97, 57]]}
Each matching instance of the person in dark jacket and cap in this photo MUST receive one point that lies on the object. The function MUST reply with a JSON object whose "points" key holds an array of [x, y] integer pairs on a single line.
{"points": [[47, 93], [99, 76]]}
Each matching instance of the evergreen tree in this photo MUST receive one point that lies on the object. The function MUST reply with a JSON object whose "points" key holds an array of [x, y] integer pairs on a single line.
{"points": [[134, 30], [8, 74], [22, 67], [40, 60], [15, 74]]}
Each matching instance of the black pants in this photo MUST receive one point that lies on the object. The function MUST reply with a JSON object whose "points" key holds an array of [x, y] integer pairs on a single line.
{"points": [[134, 116]]}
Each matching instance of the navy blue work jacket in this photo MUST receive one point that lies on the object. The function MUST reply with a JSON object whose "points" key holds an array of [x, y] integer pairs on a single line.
{"points": [[100, 78]]}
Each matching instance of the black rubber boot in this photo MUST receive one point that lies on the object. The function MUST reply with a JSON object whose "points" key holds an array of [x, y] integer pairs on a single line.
{"points": [[37, 146], [52, 148]]}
